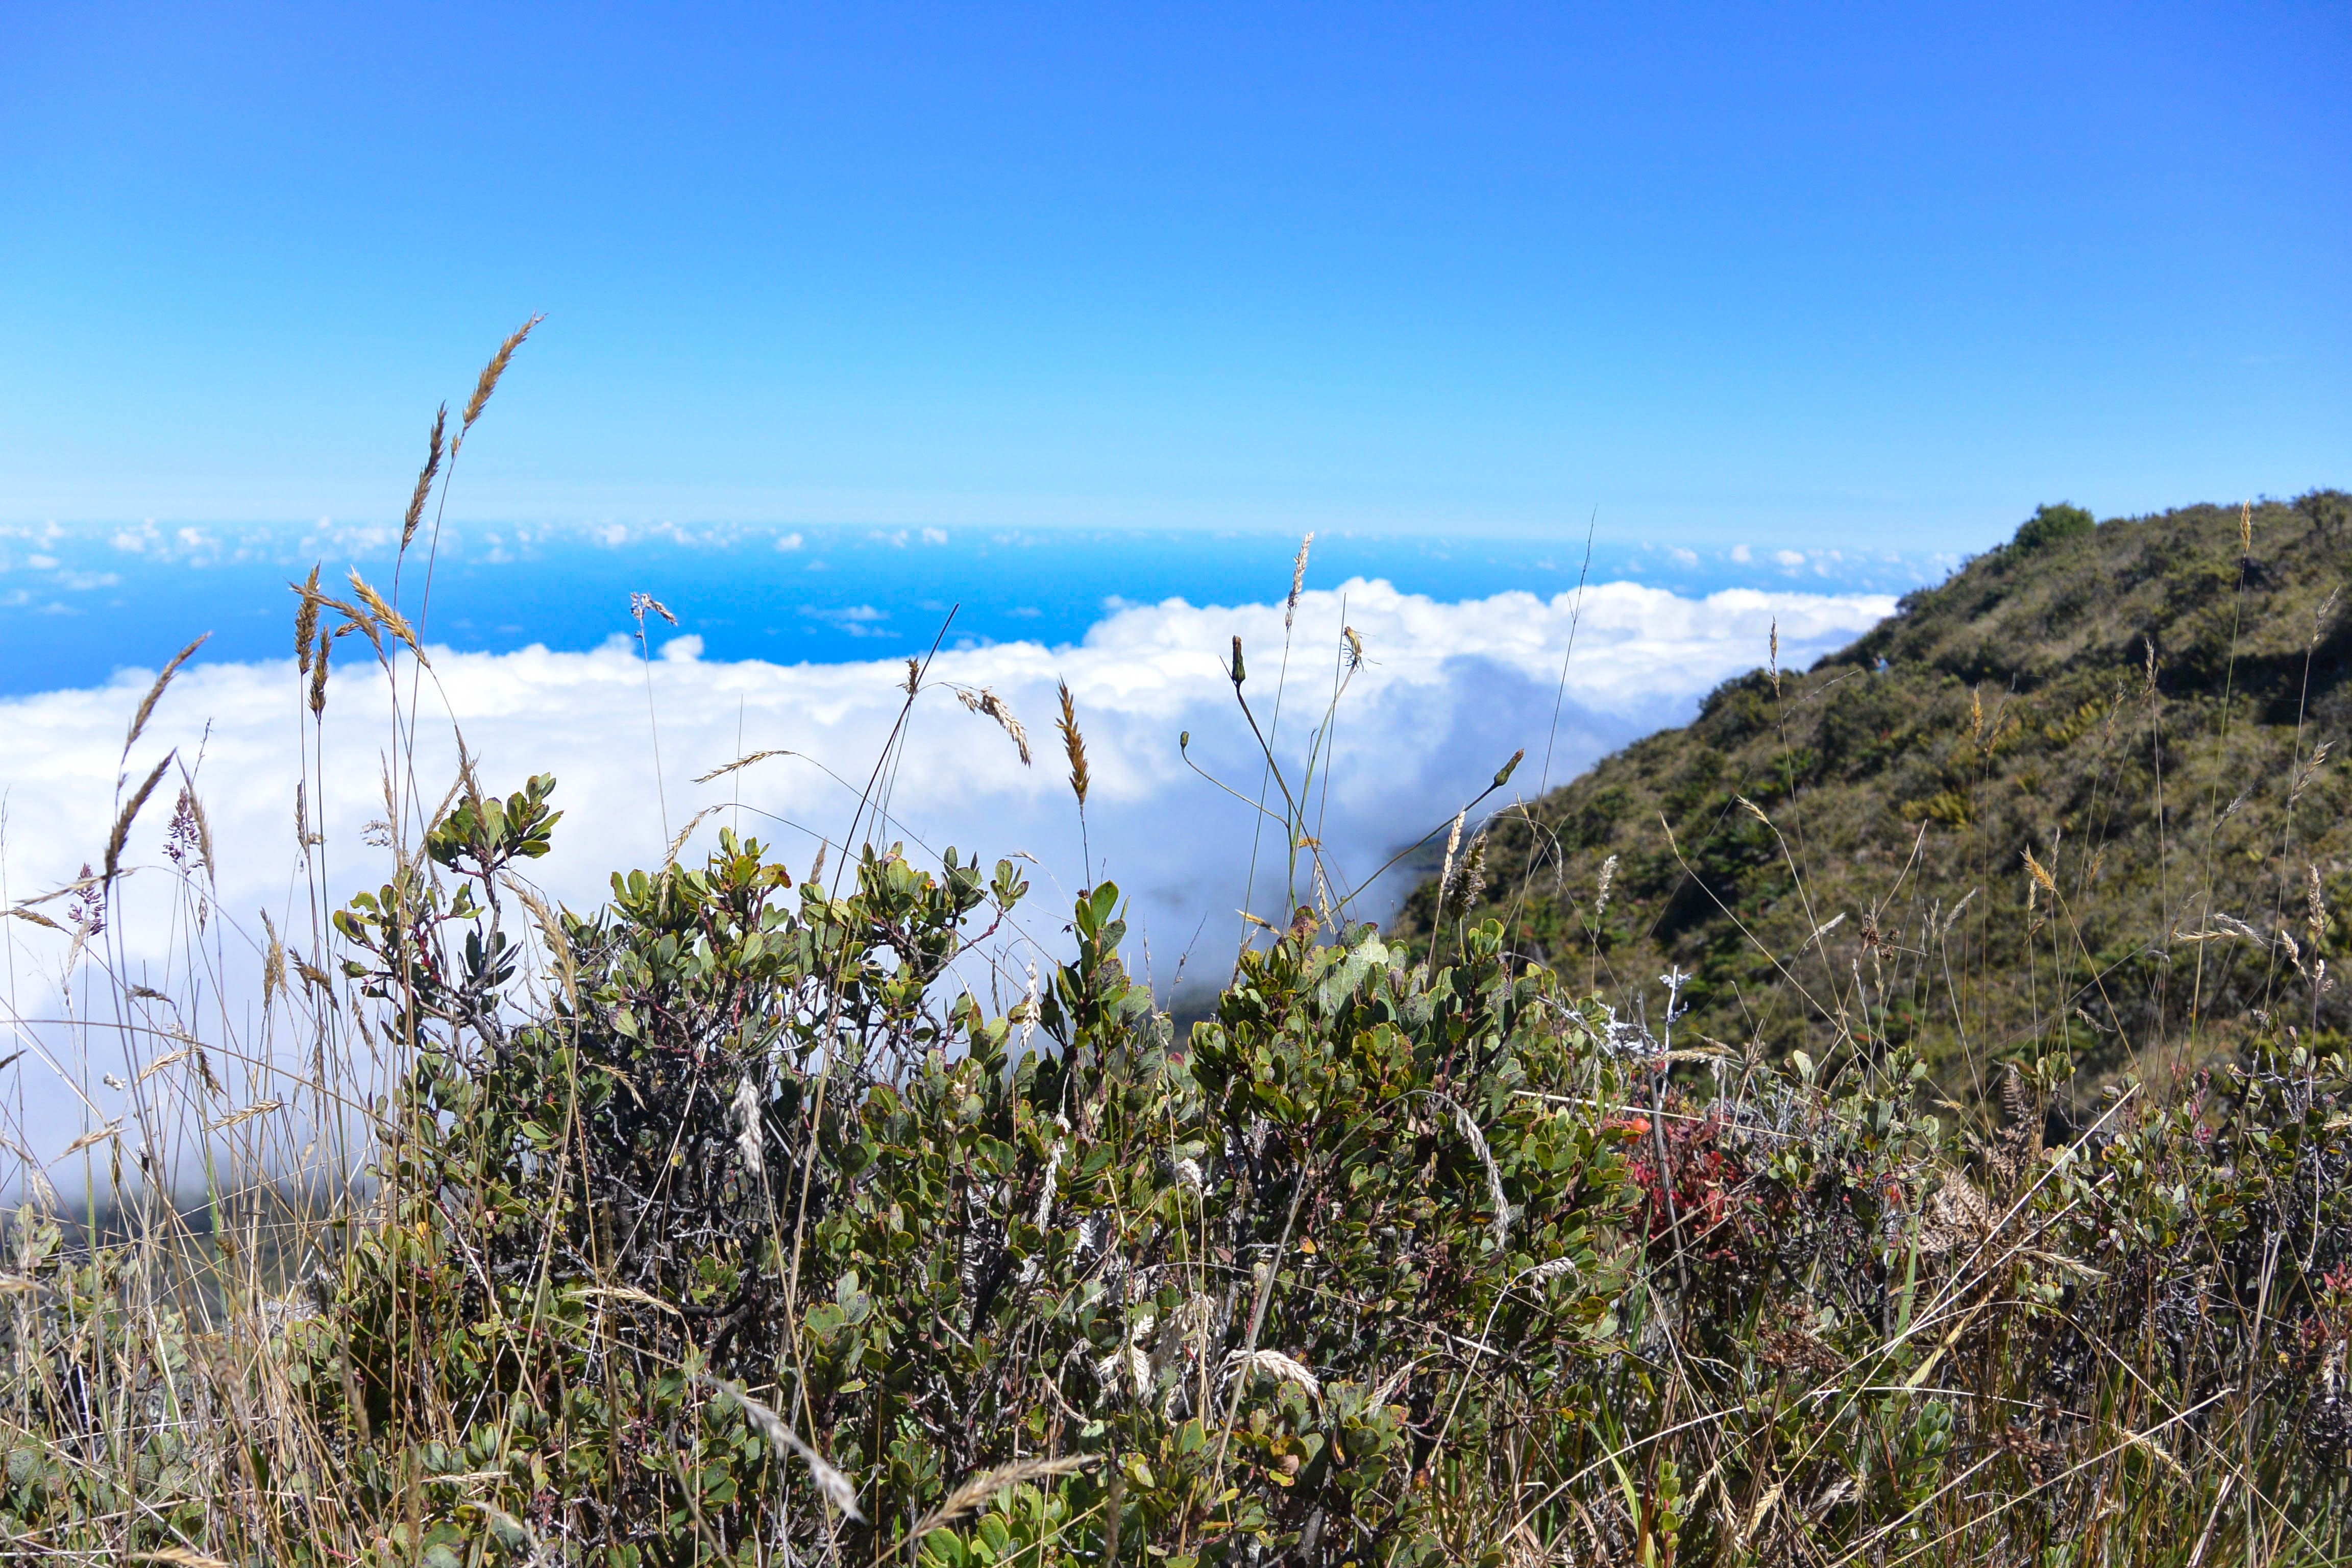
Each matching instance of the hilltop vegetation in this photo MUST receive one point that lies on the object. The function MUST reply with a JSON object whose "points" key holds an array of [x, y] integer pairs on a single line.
{"points": [[2077, 798]]}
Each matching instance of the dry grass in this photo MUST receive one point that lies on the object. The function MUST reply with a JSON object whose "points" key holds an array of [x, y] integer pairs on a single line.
{"points": [[990, 705], [1074, 746], [488, 381]]}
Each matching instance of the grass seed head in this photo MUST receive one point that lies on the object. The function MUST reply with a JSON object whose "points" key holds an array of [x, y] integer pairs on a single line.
{"points": [[1452, 843], [306, 621], [384, 616], [2309, 770], [318, 678], [837, 1488], [643, 604], [1074, 746], [745, 1108], [488, 381], [122, 821], [191, 808], [1274, 1363], [246, 1113], [977, 1490], [989, 705], [273, 962], [155, 693], [1474, 871], [1544, 1273], [1495, 1197], [423, 490]]}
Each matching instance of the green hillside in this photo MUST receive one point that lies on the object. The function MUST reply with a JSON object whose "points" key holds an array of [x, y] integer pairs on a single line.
{"points": [[2142, 705]]}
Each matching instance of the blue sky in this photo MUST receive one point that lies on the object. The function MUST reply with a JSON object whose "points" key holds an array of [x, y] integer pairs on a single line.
{"points": [[1800, 276]]}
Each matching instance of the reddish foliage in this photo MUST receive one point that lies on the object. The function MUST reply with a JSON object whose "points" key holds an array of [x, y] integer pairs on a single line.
{"points": [[1721, 1213]]}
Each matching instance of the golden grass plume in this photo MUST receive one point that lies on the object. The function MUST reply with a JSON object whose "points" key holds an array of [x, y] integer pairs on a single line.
{"points": [[489, 382], [155, 693], [424, 477], [122, 821], [978, 1488], [988, 704], [1074, 745]]}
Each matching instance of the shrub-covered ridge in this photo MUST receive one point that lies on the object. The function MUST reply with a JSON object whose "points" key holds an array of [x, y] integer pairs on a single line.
{"points": [[2079, 796]]}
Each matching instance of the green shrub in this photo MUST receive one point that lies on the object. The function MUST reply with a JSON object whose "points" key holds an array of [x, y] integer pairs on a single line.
{"points": [[765, 1149], [2052, 523]]}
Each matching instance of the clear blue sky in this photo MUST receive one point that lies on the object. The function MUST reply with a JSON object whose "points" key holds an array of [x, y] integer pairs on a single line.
{"points": [[1769, 273]]}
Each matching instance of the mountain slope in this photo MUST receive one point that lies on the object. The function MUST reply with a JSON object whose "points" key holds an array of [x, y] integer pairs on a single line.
{"points": [[2142, 707]]}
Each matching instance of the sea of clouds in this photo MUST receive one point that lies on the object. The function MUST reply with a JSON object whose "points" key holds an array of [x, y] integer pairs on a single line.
{"points": [[1446, 693]]}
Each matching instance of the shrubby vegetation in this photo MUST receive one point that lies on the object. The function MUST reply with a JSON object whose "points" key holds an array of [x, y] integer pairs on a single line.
{"points": [[740, 1243], [2077, 798], [728, 1223], [2052, 524]]}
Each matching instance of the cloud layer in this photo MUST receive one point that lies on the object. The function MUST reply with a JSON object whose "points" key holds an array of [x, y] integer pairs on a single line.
{"points": [[1446, 693]]}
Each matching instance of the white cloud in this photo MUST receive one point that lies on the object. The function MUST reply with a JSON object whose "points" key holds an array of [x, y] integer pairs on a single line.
{"points": [[935, 536], [1740, 552], [857, 620], [1793, 558], [789, 542], [1446, 693]]}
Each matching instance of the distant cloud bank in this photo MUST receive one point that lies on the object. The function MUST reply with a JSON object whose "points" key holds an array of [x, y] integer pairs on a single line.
{"points": [[1446, 692]]}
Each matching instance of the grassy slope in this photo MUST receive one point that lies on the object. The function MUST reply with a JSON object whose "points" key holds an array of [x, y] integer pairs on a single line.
{"points": [[2014, 713]]}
